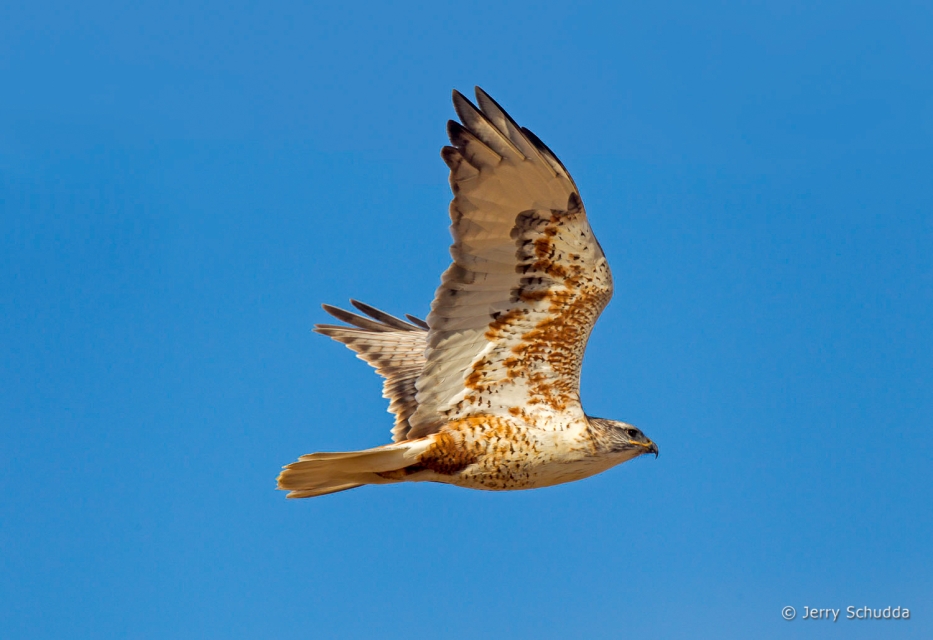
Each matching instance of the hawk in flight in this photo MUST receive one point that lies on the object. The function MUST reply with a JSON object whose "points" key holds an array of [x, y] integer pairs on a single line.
{"points": [[486, 393]]}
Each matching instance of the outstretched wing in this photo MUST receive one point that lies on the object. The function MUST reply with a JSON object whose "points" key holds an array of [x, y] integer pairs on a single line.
{"points": [[510, 321], [395, 348]]}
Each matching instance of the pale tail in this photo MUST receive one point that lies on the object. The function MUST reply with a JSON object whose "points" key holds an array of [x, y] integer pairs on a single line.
{"points": [[318, 474]]}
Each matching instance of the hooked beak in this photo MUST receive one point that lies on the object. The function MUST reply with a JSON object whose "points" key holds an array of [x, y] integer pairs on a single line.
{"points": [[650, 447]]}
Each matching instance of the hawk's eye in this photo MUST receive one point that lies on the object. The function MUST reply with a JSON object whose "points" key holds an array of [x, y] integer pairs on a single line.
{"points": [[631, 433]]}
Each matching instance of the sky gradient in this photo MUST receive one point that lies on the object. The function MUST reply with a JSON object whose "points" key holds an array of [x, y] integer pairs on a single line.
{"points": [[181, 187]]}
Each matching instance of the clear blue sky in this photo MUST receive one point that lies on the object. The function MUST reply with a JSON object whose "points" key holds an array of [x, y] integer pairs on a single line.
{"points": [[181, 187]]}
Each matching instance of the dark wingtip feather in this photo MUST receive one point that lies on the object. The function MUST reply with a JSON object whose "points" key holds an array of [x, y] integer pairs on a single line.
{"points": [[464, 107], [353, 319], [417, 321], [379, 321], [480, 95], [382, 316], [455, 132], [536, 141]]}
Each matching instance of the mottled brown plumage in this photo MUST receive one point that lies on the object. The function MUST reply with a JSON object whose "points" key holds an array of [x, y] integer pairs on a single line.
{"points": [[486, 393]]}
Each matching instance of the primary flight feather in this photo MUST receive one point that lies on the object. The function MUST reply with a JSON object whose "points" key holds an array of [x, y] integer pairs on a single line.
{"points": [[486, 393]]}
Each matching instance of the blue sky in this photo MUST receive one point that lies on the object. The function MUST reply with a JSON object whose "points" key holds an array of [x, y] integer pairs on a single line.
{"points": [[181, 187]]}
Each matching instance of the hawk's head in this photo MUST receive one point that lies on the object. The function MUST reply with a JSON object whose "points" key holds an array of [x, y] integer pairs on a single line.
{"points": [[621, 437]]}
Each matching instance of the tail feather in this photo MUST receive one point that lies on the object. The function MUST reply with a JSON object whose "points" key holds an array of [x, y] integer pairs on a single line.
{"points": [[313, 493], [318, 474]]}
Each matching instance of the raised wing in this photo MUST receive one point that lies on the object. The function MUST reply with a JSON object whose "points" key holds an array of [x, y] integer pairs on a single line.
{"points": [[510, 321], [395, 348]]}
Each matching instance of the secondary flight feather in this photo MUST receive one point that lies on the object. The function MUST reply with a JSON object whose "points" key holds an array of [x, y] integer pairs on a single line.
{"points": [[486, 393]]}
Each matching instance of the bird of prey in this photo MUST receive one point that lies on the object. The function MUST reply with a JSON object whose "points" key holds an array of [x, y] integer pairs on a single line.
{"points": [[486, 393]]}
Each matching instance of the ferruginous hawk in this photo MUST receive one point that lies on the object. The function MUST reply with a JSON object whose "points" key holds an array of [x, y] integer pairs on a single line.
{"points": [[486, 393]]}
